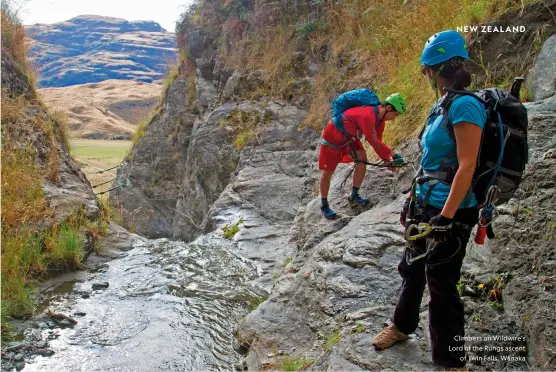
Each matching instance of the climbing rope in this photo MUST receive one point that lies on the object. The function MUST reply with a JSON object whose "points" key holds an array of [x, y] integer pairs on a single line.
{"points": [[103, 183], [380, 164], [106, 170], [113, 188]]}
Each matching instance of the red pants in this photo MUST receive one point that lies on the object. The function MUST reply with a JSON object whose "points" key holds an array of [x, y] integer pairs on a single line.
{"points": [[329, 157]]}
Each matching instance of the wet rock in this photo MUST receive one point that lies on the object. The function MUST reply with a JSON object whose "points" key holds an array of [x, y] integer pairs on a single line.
{"points": [[19, 365], [100, 285], [8, 355], [79, 315], [41, 344], [18, 357], [85, 295], [33, 334], [15, 347], [46, 352], [66, 323]]}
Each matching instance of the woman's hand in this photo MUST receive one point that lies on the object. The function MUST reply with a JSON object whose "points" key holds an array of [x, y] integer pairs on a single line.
{"points": [[468, 141]]}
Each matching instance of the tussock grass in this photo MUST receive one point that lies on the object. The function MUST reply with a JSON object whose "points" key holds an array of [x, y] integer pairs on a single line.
{"points": [[14, 43], [64, 248]]}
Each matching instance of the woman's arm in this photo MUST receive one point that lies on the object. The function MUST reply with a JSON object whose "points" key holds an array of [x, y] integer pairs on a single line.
{"points": [[468, 140]]}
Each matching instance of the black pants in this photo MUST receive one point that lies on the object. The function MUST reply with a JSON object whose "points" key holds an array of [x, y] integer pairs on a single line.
{"points": [[441, 271]]}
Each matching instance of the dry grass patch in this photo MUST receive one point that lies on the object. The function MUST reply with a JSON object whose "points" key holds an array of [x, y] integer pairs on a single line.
{"points": [[357, 43]]}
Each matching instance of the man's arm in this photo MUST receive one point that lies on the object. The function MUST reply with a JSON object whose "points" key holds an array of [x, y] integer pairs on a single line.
{"points": [[374, 137]]}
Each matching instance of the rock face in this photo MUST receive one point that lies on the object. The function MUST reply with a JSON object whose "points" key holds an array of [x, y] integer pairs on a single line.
{"points": [[543, 79], [66, 188], [90, 49], [155, 167]]}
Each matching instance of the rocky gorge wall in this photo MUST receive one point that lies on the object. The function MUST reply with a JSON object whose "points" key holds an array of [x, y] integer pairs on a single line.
{"points": [[333, 284]]}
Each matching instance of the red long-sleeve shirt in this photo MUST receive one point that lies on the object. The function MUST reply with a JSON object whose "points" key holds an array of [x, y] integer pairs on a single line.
{"points": [[362, 120]]}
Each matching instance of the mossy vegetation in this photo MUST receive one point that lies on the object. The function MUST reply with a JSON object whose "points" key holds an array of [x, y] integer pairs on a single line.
{"points": [[332, 338], [231, 230], [246, 125]]}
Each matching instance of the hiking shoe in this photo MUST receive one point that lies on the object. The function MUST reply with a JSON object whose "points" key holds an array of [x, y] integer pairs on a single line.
{"points": [[388, 337], [328, 213], [357, 201]]}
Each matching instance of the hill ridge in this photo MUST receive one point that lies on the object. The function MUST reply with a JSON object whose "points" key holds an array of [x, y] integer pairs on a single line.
{"points": [[94, 48]]}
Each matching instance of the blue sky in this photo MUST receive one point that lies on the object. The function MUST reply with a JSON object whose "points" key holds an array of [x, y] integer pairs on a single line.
{"points": [[165, 12]]}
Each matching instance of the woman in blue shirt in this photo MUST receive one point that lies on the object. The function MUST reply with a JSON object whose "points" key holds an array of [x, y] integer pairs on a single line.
{"points": [[450, 142]]}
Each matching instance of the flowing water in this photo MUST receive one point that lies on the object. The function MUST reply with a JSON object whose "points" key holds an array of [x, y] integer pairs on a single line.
{"points": [[169, 306]]}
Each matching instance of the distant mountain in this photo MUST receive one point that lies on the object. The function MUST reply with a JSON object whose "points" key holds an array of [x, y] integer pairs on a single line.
{"points": [[90, 49]]}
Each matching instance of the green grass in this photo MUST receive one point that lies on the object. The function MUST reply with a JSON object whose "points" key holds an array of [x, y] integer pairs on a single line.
{"points": [[100, 149], [287, 261], [97, 155], [295, 363], [360, 328], [231, 230], [65, 248], [332, 339]]}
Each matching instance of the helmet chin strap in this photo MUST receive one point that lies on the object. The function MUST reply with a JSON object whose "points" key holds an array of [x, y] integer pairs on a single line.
{"points": [[433, 81]]}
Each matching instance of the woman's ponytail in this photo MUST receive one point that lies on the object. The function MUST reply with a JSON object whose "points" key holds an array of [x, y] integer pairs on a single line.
{"points": [[455, 71]]}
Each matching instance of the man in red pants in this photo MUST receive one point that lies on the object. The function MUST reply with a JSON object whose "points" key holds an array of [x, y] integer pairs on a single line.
{"points": [[337, 148]]}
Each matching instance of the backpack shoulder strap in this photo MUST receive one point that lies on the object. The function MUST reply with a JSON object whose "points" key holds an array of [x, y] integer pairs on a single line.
{"points": [[453, 94]]}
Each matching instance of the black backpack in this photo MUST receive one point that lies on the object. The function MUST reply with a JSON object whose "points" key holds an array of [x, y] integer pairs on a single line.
{"points": [[503, 152]]}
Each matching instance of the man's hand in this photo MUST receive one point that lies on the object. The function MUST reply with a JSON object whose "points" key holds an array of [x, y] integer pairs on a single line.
{"points": [[397, 159]]}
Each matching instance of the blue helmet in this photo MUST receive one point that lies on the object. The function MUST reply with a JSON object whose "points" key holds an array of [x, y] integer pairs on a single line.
{"points": [[442, 47]]}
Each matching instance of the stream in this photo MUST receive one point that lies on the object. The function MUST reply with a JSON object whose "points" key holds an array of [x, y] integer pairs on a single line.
{"points": [[169, 305]]}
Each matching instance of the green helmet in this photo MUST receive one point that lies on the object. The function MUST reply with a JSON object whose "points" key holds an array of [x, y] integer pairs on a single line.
{"points": [[397, 101]]}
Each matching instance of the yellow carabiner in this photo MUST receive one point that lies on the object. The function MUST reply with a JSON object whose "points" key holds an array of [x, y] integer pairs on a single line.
{"points": [[423, 230]]}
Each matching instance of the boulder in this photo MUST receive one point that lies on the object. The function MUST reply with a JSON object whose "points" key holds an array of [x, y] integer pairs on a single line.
{"points": [[542, 82]]}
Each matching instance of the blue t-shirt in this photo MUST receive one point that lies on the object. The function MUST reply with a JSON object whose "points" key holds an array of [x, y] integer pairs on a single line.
{"points": [[439, 148]]}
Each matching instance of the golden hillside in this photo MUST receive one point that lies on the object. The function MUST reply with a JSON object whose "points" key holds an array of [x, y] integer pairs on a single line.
{"points": [[107, 110]]}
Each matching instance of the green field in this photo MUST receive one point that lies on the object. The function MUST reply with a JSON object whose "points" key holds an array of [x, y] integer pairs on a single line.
{"points": [[100, 149], [94, 156]]}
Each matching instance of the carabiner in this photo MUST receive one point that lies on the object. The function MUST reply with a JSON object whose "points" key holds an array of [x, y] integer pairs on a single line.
{"points": [[423, 230]]}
